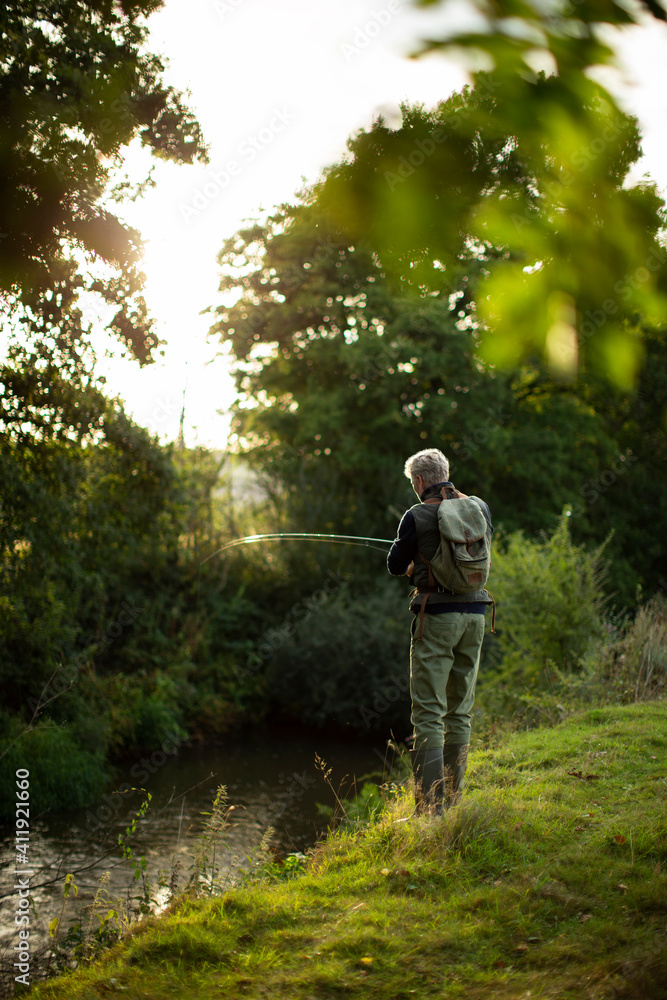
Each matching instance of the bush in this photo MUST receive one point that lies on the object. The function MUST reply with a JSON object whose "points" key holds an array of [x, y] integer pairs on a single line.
{"points": [[62, 774], [550, 604], [633, 666], [142, 711], [347, 662]]}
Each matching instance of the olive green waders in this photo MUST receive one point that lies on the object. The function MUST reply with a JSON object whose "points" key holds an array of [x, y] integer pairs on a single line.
{"points": [[443, 675]]}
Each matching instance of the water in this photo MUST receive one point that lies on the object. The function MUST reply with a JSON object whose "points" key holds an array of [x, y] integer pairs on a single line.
{"points": [[272, 781]]}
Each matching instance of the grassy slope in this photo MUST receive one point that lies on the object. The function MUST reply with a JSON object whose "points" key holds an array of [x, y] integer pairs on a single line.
{"points": [[541, 884]]}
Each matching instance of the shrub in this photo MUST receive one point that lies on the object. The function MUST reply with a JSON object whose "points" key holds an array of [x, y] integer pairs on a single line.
{"points": [[63, 775], [346, 662], [550, 603], [633, 667]]}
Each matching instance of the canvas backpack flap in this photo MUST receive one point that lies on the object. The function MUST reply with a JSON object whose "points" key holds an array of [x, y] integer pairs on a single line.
{"points": [[462, 561]]}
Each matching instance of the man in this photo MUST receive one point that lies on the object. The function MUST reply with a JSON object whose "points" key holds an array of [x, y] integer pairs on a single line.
{"points": [[446, 643]]}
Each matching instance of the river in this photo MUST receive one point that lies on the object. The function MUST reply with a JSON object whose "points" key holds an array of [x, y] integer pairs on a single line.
{"points": [[271, 780]]}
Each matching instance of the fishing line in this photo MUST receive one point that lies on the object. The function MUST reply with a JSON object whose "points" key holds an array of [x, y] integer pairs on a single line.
{"points": [[306, 536]]}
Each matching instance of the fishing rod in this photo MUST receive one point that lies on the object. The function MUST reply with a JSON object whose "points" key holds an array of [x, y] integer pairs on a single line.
{"points": [[306, 536]]}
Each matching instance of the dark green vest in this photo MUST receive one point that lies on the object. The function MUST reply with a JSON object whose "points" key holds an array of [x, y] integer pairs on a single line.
{"points": [[428, 539]]}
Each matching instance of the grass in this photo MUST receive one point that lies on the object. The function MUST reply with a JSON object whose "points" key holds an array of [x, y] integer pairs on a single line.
{"points": [[549, 880]]}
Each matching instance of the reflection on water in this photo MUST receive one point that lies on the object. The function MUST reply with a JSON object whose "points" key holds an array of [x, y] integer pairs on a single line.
{"points": [[271, 781]]}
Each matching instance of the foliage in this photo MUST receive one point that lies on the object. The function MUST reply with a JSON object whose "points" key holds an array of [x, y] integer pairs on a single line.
{"points": [[624, 664], [52, 754], [138, 865], [549, 612], [323, 340], [358, 810], [632, 665], [580, 256], [98, 598], [538, 278], [347, 662], [85, 942], [349, 356], [206, 876], [80, 528], [293, 866], [111, 627], [77, 87], [98, 926]]}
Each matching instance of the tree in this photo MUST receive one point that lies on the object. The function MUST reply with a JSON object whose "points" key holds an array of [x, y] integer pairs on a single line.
{"points": [[352, 351], [76, 87], [579, 266], [106, 642], [321, 308]]}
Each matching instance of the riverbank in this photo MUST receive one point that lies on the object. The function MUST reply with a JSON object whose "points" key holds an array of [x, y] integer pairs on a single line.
{"points": [[270, 780], [548, 881]]}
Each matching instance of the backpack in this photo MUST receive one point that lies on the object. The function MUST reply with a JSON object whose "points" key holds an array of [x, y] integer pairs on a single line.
{"points": [[462, 561]]}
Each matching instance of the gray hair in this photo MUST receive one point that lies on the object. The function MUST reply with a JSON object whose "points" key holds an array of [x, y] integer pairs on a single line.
{"points": [[430, 464]]}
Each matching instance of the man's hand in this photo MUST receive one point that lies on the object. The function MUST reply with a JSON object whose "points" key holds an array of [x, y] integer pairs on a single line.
{"points": [[409, 571]]}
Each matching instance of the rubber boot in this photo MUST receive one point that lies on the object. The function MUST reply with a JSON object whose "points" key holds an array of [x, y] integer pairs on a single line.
{"points": [[455, 760], [428, 778]]}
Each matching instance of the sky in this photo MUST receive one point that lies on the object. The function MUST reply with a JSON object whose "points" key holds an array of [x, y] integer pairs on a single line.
{"points": [[278, 87]]}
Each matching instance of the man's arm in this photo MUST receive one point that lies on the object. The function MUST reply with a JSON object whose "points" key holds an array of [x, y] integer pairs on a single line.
{"points": [[403, 551]]}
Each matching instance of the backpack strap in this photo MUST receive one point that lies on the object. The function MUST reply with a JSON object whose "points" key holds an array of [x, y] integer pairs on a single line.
{"points": [[426, 591], [432, 585]]}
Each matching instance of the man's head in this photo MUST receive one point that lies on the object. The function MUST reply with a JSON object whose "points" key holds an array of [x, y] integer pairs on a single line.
{"points": [[426, 468]]}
